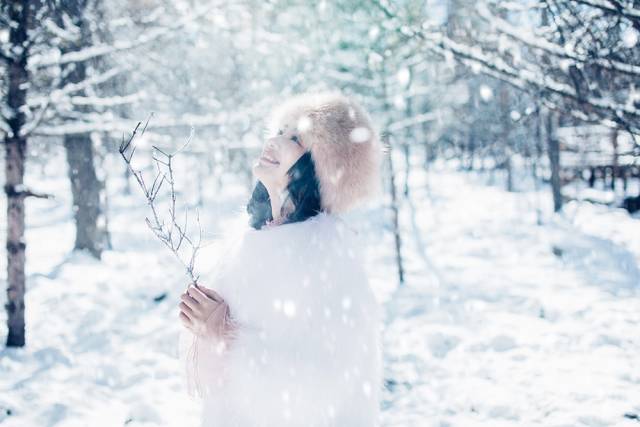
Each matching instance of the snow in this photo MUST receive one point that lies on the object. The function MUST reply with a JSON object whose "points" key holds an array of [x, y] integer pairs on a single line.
{"points": [[403, 76], [100, 350], [486, 93], [501, 322], [359, 135], [54, 57], [568, 51], [521, 78], [413, 121], [504, 322], [630, 37]]}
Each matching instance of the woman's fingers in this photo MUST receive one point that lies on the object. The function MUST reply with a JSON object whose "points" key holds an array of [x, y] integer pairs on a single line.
{"points": [[212, 294], [186, 309], [197, 294], [189, 301], [186, 321]]}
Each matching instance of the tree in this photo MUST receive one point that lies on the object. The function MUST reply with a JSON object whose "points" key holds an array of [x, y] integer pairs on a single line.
{"points": [[41, 86], [19, 16], [577, 58], [85, 186]]}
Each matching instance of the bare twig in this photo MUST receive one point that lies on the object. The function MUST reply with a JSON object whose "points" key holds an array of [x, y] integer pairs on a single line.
{"points": [[171, 233], [22, 191]]}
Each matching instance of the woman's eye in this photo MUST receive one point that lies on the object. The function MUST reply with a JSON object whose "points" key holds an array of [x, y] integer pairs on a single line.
{"points": [[295, 139]]}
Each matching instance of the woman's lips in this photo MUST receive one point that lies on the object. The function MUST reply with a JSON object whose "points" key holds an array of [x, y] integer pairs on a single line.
{"points": [[266, 159]]}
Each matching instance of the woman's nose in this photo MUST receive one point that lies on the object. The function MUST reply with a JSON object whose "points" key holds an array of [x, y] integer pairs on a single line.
{"points": [[271, 142]]}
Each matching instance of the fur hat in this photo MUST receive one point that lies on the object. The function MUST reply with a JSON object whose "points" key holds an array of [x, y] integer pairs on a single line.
{"points": [[344, 146]]}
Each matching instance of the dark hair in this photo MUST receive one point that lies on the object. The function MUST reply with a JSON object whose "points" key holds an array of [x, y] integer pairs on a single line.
{"points": [[303, 191]]}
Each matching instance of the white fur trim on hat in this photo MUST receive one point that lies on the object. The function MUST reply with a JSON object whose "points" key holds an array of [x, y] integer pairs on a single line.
{"points": [[344, 146]]}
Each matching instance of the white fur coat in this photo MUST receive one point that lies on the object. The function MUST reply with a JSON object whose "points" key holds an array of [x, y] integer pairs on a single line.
{"points": [[307, 350]]}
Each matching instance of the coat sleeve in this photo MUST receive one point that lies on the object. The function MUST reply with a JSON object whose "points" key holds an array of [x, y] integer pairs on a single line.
{"points": [[203, 358], [205, 361]]}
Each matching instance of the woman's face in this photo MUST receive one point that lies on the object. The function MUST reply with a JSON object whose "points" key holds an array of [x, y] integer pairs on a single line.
{"points": [[279, 153]]}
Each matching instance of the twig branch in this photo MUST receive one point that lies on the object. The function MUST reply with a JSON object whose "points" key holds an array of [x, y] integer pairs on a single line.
{"points": [[22, 191], [171, 233]]}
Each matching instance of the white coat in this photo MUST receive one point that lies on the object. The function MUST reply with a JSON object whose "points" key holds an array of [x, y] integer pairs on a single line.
{"points": [[307, 348]]}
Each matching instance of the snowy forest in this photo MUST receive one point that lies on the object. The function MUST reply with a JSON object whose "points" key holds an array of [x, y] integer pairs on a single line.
{"points": [[505, 249]]}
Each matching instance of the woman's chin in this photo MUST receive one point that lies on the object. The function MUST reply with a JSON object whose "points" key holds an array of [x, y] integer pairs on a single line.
{"points": [[263, 170], [260, 173]]}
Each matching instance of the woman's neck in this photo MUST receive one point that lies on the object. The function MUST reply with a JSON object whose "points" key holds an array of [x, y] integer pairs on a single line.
{"points": [[277, 198]]}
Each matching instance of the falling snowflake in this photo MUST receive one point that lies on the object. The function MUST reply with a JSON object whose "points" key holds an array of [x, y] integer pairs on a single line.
{"points": [[629, 37], [304, 124], [289, 308], [359, 134], [404, 76], [486, 93]]}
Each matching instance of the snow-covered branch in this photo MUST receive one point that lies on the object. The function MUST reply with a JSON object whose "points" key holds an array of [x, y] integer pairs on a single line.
{"points": [[96, 51], [538, 42], [57, 94], [96, 101], [522, 78], [412, 121], [616, 8], [94, 122], [525, 76]]}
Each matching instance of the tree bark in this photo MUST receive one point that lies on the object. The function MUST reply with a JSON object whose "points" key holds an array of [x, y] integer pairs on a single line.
{"points": [[505, 134], [85, 188], [553, 151], [14, 175], [409, 138], [392, 184], [395, 211], [614, 160], [16, 146]]}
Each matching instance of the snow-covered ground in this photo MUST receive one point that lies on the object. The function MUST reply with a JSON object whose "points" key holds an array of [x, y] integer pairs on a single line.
{"points": [[500, 322], [506, 322]]}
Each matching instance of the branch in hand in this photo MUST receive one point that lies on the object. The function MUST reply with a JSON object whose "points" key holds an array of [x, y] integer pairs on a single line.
{"points": [[171, 233]]}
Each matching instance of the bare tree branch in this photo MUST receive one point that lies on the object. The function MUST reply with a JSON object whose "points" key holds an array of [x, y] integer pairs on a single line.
{"points": [[170, 232], [22, 191]]}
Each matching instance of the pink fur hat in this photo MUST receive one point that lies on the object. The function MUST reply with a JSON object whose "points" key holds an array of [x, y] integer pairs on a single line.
{"points": [[344, 146]]}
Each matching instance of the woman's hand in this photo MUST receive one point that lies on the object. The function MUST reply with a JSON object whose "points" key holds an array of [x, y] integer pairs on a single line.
{"points": [[205, 312]]}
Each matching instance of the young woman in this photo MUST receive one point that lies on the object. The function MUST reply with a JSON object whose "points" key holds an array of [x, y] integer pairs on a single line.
{"points": [[286, 332]]}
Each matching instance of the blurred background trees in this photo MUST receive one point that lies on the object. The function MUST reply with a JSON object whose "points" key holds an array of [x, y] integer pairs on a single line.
{"points": [[539, 92]]}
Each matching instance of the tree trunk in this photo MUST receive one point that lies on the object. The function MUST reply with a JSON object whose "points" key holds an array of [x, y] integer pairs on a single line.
{"points": [[406, 151], [505, 134], [14, 173], [392, 183], [394, 209], [471, 148], [553, 151], [509, 169], [409, 132], [16, 147], [614, 159], [85, 188]]}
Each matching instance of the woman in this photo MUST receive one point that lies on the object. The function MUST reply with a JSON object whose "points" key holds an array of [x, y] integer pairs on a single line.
{"points": [[290, 335]]}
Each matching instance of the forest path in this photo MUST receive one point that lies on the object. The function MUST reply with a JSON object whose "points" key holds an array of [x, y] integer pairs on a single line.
{"points": [[505, 322]]}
